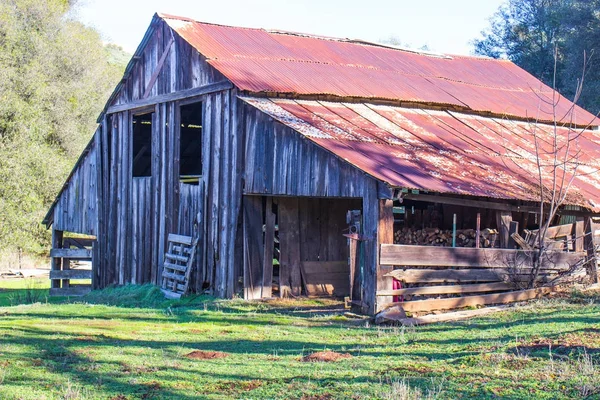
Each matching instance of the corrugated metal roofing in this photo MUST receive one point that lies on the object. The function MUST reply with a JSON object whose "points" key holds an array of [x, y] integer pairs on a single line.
{"points": [[441, 151], [257, 60]]}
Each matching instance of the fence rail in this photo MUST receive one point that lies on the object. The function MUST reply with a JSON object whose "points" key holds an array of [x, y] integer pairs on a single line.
{"points": [[435, 278]]}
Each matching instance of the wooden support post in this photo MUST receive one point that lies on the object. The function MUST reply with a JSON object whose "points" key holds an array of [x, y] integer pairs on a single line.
{"points": [[478, 231], [590, 247], [503, 219], [57, 241], [355, 292], [513, 228], [268, 248], [385, 235], [66, 266], [578, 234]]}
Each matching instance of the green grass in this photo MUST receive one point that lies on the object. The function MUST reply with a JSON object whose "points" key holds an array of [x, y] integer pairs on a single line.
{"points": [[131, 343]]}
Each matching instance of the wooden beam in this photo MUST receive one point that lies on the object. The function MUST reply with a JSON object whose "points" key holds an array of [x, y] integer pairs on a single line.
{"points": [[468, 257], [159, 66], [470, 301], [590, 246], [465, 202], [71, 253], [490, 205], [385, 235], [448, 289], [446, 275], [503, 221], [168, 97], [72, 274]]}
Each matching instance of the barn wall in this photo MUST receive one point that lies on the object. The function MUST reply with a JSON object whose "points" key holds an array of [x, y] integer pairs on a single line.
{"points": [[139, 213], [280, 161], [76, 208]]}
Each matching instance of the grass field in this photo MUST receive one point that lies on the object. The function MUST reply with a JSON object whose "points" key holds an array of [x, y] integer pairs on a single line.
{"points": [[130, 343]]}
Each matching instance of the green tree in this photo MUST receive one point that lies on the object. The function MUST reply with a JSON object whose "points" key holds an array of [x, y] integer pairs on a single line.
{"points": [[528, 32], [54, 78]]}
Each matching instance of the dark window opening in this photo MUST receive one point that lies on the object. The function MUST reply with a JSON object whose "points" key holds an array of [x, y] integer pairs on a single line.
{"points": [[142, 145], [190, 143]]}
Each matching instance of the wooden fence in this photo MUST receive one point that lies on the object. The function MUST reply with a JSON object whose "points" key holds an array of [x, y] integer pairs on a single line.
{"points": [[449, 273]]}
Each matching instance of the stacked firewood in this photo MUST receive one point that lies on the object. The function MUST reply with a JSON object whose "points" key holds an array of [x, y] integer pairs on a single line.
{"points": [[439, 237]]}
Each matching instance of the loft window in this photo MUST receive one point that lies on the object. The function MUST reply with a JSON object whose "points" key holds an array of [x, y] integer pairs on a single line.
{"points": [[190, 143], [142, 145]]}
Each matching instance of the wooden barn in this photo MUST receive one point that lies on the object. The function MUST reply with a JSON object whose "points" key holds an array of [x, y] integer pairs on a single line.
{"points": [[304, 165]]}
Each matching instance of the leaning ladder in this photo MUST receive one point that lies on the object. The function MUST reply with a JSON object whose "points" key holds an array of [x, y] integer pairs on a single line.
{"points": [[177, 267]]}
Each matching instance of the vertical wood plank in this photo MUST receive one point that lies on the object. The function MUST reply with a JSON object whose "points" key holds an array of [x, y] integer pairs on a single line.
{"points": [[253, 247], [268, 248], [590, 247], [513, 228], [370, 248], [289, 244], [503, 220], [385, 235]]}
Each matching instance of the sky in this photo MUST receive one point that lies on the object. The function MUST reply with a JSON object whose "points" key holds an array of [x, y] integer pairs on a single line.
{"points": [[443, 26]]}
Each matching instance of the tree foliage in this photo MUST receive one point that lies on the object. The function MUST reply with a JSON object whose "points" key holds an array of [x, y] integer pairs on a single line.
{"points": [[54, 78], [527, 32]]}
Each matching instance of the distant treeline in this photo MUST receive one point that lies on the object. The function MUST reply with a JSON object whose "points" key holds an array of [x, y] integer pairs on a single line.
{"points": [[55, 75], [528, 32]]}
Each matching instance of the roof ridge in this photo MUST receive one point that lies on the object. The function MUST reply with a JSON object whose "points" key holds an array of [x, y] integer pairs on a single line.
{"points": [[356, 41]]}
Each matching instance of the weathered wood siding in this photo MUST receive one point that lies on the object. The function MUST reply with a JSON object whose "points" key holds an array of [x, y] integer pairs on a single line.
{"points": [[141, 208], [280, 161], [77, 209], [183, 68], [191, 223], [222, 176], [322, 223]]}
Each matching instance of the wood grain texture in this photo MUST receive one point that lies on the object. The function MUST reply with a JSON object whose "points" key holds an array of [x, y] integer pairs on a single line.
{"points": [[470, 301], [447, 289], [428, 256]]}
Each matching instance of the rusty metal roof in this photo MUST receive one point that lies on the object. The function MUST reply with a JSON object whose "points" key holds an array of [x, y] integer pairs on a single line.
{"points": [[441, 151], [257, 60]]}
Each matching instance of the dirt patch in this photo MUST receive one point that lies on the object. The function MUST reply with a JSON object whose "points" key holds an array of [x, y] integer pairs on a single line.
{"points": [[325, 356], [206, 355]]}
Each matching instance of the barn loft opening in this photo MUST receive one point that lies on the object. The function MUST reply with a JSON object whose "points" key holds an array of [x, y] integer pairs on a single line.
{"points": [[142, 145], [190, 150]]}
